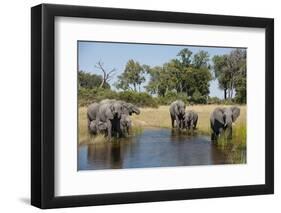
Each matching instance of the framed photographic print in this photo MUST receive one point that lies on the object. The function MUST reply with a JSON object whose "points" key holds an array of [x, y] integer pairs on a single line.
{"points": [[139, 106]]}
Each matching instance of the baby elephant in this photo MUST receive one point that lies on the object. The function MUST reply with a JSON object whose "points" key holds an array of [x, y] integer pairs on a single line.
{"points": [[125, 125], [98, 127], [190, 119]]}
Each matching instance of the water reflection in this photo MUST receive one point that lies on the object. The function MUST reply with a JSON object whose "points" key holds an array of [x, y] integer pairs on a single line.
{"points": [[157, 148]]}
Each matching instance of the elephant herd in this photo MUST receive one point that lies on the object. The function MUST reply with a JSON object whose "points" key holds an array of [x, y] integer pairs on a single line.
{"points": [[221, 119], [111, 117]]}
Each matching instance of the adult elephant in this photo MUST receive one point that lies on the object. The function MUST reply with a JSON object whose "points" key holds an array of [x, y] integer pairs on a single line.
{"points": [[110, 113], [190, 119], [221, 121], [128, 108], [177, 112], [92, 112]]}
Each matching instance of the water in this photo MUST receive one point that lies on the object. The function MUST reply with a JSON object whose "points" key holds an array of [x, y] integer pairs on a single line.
{"points": [[157, 148]]}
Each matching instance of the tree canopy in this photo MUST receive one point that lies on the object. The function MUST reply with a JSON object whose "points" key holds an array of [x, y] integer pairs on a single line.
{"points": [[230, 70], [132, 77], [187, 75]]}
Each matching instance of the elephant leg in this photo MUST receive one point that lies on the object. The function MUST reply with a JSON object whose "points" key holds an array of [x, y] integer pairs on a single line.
{"points": [[212, 136], [109, 129], [177, 122], [89, 122], [194, 124], [191, 126], [173, 121], [182, 123]]}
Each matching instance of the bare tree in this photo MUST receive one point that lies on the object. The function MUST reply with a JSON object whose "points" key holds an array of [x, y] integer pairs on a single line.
{"points": [[107, 76]]}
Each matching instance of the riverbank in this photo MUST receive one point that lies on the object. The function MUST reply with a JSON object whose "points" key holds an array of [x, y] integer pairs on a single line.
{"points": [[160, 118]]}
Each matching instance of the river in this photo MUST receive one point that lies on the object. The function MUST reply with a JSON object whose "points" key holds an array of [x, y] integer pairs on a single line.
{"points": [[157, 148]]}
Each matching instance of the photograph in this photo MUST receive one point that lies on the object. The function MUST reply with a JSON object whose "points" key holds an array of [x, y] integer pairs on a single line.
{"points": [[160, 105]]}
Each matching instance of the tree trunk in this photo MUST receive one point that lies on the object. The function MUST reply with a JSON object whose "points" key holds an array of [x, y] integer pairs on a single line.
{"points": [[225, 93], [102, 83]]}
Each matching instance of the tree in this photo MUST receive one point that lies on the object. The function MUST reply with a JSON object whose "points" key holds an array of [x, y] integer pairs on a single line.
{"points": [[222, 76], [230, 70], [107, 76], [201, 59], [132, 77], [90, 81], [184, 74], [185, 57]]}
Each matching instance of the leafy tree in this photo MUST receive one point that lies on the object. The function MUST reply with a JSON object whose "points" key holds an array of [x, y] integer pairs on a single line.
{"points": [[220, 72], [185, 57], [184, 74], [230, 70], [132, 77], [201, 59], [90, 81]]}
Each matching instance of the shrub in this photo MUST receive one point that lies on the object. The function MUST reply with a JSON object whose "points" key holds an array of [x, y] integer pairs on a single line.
{"points": [[142, 99], [87, 96], [198, 98], [171, 97], [138, 98]]}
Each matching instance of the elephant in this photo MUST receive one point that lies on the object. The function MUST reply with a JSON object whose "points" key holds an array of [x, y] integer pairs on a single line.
{"points": [[125, 125], [110, 113], [221, 120], [190, 119], [92, 113], [128, 108], [177, 112], [96, 127]]}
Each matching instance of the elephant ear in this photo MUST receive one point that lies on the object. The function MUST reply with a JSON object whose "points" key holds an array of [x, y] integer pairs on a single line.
{"points": [[219, 115], [235, 113], [110, 111], [111, 107]]}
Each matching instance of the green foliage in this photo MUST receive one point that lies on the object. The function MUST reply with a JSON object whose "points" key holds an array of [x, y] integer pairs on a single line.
{"points": [[138, 98], [132, 77], [197, 97], [201, 59], [87, 96], [171, 97], [90, 81], [184, 75], [230, 70]]}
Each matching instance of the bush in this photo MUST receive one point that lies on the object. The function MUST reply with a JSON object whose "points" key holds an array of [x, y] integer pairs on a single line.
{"points": [[171, 97], [87, 96], [142, 99], [198, 98]]}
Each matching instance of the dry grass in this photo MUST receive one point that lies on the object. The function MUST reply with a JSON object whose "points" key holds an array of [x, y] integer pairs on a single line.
{"points": [[151, 117], [160, 117]]}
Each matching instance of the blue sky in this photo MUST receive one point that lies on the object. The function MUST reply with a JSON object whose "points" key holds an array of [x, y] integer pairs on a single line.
{"points": [[116, 55]]}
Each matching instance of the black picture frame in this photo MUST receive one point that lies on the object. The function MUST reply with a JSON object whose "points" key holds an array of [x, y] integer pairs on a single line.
{"points": [[43, 102]]}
